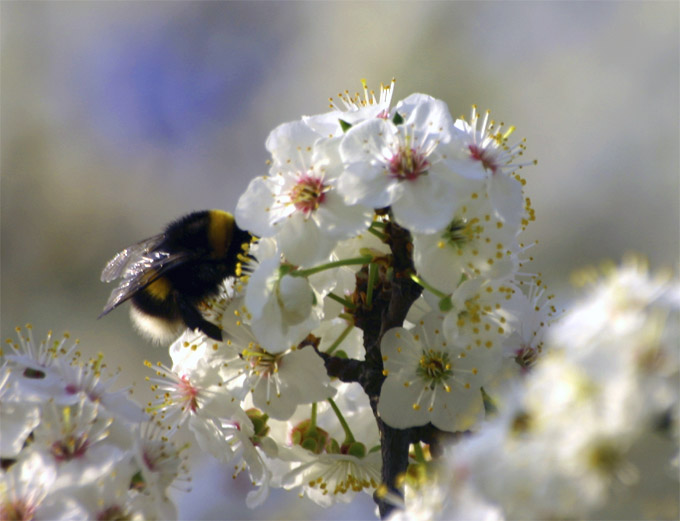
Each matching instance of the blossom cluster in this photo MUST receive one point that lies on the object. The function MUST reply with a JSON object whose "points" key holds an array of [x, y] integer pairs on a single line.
{"points": [[73, 448], [386, 288], [592, 431], [341, 186], [335, 181]]}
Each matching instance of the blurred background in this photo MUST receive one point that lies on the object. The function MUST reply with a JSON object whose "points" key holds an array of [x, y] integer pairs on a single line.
{"points": [[116, 118]]}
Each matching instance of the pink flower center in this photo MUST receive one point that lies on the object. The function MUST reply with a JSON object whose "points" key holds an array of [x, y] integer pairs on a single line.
{"points": [[189, 392], [70, 448], [526, 357], [487, 158], [408, 164], [112, 512], [308, 194]]}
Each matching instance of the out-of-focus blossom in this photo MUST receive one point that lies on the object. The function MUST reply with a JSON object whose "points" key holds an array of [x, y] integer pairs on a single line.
{"points": [[70, 441], [593, 421], [26, 492]]}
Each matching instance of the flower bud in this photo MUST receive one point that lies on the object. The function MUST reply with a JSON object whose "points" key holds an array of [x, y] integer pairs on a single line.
{"points": [[259, 420], [311, 437], [355, 448]]}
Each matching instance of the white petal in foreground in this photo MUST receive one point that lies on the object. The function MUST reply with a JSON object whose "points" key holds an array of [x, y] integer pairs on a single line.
{"points": [[302, 242], [506, 197], [253, 209], [396, 406], [426, 205]]}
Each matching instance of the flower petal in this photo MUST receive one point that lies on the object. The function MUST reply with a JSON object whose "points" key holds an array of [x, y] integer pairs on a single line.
{"points": [[427, 205]]}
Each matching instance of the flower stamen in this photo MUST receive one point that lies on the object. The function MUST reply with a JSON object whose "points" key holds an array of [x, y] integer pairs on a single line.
{"points": [[408, 164], [308, 194]]}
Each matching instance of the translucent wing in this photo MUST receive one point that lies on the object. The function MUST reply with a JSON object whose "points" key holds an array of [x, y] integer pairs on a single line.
{"points": [[137, 266], [129, 256]]}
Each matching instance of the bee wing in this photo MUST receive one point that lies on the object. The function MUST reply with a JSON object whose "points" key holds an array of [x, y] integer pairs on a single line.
{"points": [[138, 266], [129, 256]]}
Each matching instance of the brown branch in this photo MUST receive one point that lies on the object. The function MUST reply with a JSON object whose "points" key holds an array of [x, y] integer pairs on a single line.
{"points": [[393, 295]]}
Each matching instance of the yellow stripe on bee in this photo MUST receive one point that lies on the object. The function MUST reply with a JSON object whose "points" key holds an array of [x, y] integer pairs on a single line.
{"points": [[220, 230], [159, 288]]}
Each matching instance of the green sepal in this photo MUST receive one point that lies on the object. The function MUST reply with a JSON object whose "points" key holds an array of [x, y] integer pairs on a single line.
{"points": [[489, 403], [285, 269], [310, 437], [137, 482], [445, 304], [259, 420], [344, 125], [356, 449], [312, 445], [333, 446]]}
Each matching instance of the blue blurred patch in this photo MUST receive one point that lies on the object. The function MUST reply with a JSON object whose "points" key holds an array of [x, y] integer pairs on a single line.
{"points": [[165, 81]]}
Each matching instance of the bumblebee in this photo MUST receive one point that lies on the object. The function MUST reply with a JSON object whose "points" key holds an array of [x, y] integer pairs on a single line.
{"points": [[167, 276]]}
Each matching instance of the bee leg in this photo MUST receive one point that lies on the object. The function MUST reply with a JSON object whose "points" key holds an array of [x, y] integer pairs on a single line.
{"points": [[193, 319]]}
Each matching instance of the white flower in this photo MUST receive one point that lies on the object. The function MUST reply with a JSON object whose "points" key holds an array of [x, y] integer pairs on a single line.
{"points": [[508, 464], [193, 348], [52, 371], [76, 437], [327, 478], [626, 330], [330, 463], [579, 434], [480, 318], [443, 498], [618, 302], [17, 419], [34, 375], [82, 439], [352, 109], [401, 166], [26, 493], [191, 391], [596, 458], [297, 377], [534, 313], [343, 336], [160, 465], [475, 243], [110, 497], [282, 309], [429, 379], [484, 153], [279, 381], [298, 202], [86, 379], [252, 449]]}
